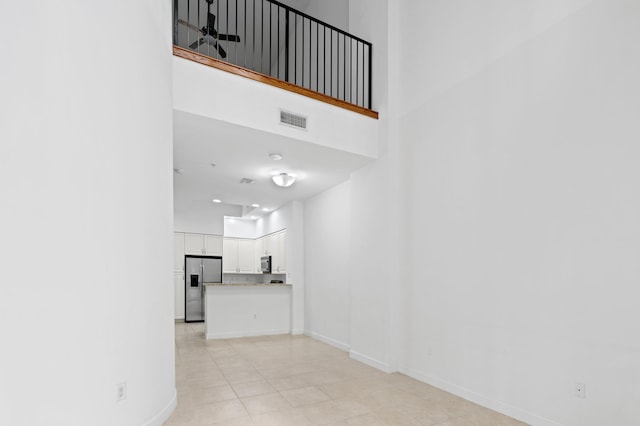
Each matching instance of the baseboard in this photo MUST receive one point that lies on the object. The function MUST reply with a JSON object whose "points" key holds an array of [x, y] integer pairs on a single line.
{"points": [[469, 395], [297, 332], [163, 415], [370, 361], [179, 318], [235, 334], [328, 341]]}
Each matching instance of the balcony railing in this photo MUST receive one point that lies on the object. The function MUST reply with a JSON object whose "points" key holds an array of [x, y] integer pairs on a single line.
{"points": [[274, 39]]}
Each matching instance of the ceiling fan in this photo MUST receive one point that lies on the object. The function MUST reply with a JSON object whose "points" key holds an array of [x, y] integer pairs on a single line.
{"points": [[209, 34]]}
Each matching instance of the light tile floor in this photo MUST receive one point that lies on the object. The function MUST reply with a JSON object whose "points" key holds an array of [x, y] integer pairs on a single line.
{"points": [[298, 381]]}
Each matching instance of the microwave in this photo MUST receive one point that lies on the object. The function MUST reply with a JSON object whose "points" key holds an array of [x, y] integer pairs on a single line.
{"points": [[265, 264]]}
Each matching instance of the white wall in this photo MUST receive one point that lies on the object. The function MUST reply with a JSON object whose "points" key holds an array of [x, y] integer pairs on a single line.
{"points": [[327, 235], [86, 299], [239, 228], [522, 205], [203, 219], [256, 105]]}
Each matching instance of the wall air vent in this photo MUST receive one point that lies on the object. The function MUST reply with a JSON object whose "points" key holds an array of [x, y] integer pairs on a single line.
{"points": [[294, 120], [246, 180]]}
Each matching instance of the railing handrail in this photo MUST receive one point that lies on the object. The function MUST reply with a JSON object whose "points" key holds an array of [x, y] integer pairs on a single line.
{"points": [[318, 21]]}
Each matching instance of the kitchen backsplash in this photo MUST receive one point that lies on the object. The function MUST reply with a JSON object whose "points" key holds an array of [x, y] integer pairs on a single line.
{"points": [[252, 278]]}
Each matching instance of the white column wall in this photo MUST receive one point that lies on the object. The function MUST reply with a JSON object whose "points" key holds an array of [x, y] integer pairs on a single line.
{"points": [[86, 299], [522, 205], [327, 266]]}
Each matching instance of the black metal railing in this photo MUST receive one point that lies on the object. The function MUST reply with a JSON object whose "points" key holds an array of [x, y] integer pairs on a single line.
{"points": [[274, 39]]}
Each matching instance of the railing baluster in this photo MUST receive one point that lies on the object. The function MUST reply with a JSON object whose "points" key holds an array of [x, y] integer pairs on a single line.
{"points": [[344, 67], [295, 54], [317, 57], [370, 75], [270, 38], [302, 51], [357, 69], [236, 31], [286, 44]]}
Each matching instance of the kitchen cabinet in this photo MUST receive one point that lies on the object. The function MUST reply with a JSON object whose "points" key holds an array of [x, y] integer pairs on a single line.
{"points": [[238, 255], [274, 245], [178, 252], [178, 284], [278, 252], [202, 244], [213, 245]]}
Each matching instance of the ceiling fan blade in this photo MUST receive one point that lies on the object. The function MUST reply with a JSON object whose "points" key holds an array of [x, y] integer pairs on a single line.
{"points": [[221, 51], [196, 44], [229, 37], [188, 25], [211, 23]]}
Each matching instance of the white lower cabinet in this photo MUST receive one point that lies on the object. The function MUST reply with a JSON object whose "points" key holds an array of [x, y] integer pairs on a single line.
{"points": [[178, 284], [178, 252]]}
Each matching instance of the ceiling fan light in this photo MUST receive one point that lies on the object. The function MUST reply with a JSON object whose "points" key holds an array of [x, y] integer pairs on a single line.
{"points": [[283, 179]]}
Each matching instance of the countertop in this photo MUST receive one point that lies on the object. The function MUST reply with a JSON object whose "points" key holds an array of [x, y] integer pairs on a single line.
{"points": [[247, 284]]}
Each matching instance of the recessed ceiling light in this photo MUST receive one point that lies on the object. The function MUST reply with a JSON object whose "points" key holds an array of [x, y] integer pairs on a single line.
{"points": [[215, 200], [283, 179], [254, 217], [265, 209], [179, 171], [255, 205], [275, 156]]}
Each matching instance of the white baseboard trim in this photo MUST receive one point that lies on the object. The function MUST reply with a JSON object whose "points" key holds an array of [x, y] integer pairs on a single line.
{"points": [[328, 341], [499, 406], [297, 332], [370, 361], [179, 318], [164, 414], [235, 334]]}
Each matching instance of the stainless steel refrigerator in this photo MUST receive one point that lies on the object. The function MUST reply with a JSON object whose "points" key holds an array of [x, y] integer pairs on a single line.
{"points": [[199, 271]]}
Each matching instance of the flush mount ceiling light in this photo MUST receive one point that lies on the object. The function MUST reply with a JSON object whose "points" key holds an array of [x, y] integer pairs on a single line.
{"points": [[255, 205], [283, 179], [275, 157], [215, 200]]}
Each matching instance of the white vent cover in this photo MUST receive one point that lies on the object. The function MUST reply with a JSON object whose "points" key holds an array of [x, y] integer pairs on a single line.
{"points": [[294, 120]]}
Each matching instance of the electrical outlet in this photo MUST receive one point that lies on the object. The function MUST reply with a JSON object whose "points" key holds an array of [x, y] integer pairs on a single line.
{"points": [[579, 390], [121, 391]]}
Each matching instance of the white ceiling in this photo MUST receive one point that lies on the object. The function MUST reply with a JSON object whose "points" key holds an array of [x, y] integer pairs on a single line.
{"points": [[240, 152]]}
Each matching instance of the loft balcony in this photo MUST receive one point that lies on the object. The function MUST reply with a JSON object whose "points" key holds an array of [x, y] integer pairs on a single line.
{"points": [[272, 43]]}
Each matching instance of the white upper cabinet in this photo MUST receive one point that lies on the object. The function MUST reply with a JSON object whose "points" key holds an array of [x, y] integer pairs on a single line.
{"points": [[229, 255], [246, 252], [194, 244], [178, 252], [259, 252], [278, 252], [238, 255], [213, 245], [201, 244]]}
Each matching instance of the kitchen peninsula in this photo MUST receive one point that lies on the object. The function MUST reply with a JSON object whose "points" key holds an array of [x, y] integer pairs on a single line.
{"points": [[247, 309]]}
